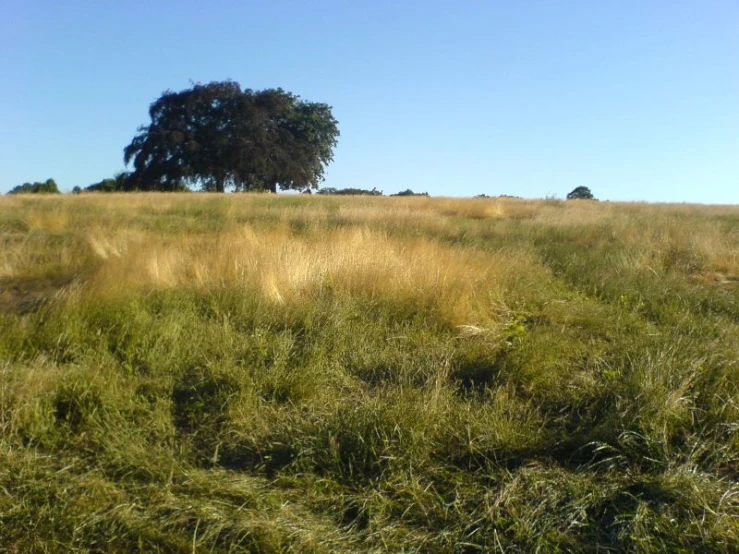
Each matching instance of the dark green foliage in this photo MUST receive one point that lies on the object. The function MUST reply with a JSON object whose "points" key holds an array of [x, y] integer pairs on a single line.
{"points": [[581, 193], [47, 187], [218, 136], [106, 185], [409, 192], [350, 192], [119, 183]]}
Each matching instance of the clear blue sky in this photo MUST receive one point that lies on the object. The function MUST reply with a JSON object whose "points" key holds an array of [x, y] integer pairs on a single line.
{"points": [[636, 99]]}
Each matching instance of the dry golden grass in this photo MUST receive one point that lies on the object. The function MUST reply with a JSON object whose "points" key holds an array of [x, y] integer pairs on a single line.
{"points": [[110, 244], [289, 268], [288, 247]]}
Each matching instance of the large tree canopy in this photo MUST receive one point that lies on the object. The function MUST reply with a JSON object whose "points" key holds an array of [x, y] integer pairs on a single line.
{"points": [[218, 136]]}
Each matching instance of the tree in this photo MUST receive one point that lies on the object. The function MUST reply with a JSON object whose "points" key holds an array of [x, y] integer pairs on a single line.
{"points": [[409, 192], [350, 192], [218, 136], [106, 185], [47, 187], [581, 193], [117, 184]]}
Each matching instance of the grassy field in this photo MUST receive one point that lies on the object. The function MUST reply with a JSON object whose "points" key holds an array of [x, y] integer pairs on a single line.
{"points": [[201, 373]]}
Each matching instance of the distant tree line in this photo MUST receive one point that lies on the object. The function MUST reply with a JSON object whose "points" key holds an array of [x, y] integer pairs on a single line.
{"points": [[120, 182], [350, 192], [499, 196], [364, 192], [409, 192], [47, 187]]}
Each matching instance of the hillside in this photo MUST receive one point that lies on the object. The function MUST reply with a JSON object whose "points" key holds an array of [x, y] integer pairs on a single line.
{"points": [[201, 373]]}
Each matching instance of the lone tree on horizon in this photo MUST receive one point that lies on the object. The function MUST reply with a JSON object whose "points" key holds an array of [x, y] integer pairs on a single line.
{"points": [[581, 193], [218, 136]]}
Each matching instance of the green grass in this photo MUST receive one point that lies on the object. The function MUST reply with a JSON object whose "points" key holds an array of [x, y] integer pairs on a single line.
{"points": [[254, 374]]}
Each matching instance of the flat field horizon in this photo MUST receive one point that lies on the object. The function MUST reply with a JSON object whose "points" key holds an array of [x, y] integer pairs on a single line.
{"points": [[259, 373]]}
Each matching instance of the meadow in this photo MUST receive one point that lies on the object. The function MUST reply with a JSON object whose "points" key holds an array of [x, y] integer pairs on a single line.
{"points": [[251, 373]]}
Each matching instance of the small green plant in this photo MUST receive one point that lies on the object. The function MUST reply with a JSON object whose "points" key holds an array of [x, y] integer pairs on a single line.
{"points": [[634, 304], [515, 330]]}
